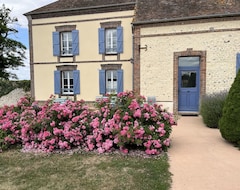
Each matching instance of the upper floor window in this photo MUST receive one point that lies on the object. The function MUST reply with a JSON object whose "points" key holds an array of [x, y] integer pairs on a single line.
{"points": [[111, 41], [66, 41], [110, 37]]}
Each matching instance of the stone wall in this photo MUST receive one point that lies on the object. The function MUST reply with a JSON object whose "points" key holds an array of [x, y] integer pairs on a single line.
{"points": [[220, 40]]}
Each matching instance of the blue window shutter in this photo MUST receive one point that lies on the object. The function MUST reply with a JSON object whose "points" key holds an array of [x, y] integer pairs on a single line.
{"points": [[238, 63], [119, 39], [101, 40], [56, 43], [102, 82], [76, 82], [57, 82], [119, 81], [75, 42]]}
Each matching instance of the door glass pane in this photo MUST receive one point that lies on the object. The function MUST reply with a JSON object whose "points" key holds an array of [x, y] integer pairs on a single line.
{"points": [[188, 79], [189, 61]]}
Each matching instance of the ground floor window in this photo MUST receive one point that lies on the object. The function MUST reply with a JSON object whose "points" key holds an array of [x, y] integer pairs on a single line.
{"points": [[110, 79], [67, 80]]}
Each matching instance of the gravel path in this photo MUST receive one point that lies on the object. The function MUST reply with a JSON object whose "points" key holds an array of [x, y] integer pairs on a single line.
{"points": [[200, 159], [12, 98]]}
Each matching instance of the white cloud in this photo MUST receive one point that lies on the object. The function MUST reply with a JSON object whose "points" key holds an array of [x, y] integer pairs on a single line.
{"points": [[23, 73], [19, 7]]}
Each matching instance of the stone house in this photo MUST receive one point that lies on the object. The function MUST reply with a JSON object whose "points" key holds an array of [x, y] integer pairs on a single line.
{"points": [[172, 51], [185, 49]]}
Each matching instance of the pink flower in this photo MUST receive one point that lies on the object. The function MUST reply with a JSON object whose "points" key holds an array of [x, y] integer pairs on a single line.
{"points": [[134, 105], [107, 145], [57, 131], [75, 119], [63, 145], [147, 144], [90, 146], [100, 150], [99, 138], [123, 133], [116, 140], [52, 141], [126, 116], [137, 113], [157, 144], [46, 134], [95, 122], [52, 124], [107, 130], [124, 150], [166, 142], [139, 133], [151, 128], [146, 116], [151, 152]]}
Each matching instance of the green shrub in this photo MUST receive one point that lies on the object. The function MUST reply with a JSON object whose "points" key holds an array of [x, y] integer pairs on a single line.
{"points": [[229, 123], [211, 108], [24, 84], [7, 86]]}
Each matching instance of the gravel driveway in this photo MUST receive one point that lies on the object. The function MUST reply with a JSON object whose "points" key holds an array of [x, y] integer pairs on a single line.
{"points": [[12, 97], [200, 159]]}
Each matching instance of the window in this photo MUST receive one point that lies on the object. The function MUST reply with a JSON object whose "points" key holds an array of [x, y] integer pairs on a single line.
{"points": [[66, 43], [110, 81], [110, 40], [66, 82]]}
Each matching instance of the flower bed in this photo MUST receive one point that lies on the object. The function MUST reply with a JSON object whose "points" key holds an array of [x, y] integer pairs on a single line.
{"points": [[127, 124]]}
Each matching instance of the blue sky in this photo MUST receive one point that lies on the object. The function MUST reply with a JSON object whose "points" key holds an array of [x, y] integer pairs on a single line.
{"points": [[18, 8]]}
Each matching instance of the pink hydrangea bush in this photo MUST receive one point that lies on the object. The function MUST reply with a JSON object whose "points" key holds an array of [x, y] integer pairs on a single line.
{"points": [[126, 125], [133, 124]]}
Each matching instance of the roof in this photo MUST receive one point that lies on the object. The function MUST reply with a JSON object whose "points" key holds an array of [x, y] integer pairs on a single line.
{"points": [[77, 7], [167, 10]]}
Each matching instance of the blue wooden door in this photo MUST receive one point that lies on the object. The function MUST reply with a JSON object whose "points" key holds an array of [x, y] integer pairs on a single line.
{"points": [[188, 87]]}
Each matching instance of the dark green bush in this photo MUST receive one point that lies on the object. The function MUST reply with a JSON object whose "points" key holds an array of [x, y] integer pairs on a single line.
{"points": [[24, 84], [211, 108], [7, 86], [229, 123]]}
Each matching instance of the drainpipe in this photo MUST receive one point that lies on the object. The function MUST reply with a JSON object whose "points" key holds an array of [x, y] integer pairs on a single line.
{"points": [[133, 57], [29, 18]]}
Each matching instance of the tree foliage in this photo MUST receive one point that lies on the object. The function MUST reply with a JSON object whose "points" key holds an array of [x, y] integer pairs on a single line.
{"points": [[229, 123], [12, 52]]}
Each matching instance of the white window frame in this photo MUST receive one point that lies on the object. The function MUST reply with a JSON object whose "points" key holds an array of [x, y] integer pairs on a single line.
{"points": [[67, 88], [111, 40], [66, 43], [111, 82]]}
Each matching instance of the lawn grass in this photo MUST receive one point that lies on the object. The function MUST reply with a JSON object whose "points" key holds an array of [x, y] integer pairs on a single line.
{"points": [[23, 171]]}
